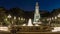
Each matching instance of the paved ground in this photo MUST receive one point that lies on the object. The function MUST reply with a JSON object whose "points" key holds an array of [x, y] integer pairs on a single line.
{"points": [[1, 32], [39, 33], [31, 33]]}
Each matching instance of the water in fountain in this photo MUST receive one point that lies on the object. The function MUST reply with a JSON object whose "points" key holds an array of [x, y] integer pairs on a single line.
{"points": [[36, 25], [24, 25], [30, 23]]}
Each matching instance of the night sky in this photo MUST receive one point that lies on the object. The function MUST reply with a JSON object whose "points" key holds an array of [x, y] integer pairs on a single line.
{"points": [[29, 5]]}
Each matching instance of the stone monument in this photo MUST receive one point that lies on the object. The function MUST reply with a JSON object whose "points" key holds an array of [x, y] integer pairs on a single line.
{"points": [[36, 15]]}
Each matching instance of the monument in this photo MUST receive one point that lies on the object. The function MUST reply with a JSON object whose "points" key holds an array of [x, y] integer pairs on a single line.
{"points": [[36, 20], [36, 15]]}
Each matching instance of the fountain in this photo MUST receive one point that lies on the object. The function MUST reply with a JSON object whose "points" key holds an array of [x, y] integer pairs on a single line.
{"points": [[36, 25], [30, 23]]}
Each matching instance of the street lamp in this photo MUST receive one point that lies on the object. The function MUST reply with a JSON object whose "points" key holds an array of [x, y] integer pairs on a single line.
{"points": [[14, 20], [14, 17], [49, 21], [19, 18], [58, 15], [55, 17], [9, 16]]}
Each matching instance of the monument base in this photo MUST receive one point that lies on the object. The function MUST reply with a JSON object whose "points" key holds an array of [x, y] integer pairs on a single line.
{"points": [[38, 23]]}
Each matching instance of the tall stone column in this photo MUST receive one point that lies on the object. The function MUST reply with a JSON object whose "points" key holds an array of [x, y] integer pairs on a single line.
{"points": [[36, 14]]}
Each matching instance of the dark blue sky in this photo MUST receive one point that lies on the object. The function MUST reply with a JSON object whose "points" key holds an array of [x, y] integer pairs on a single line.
{"points": [[28, 5]]}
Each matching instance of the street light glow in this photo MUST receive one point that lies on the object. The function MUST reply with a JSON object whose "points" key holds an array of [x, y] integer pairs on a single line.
{"points": [[4, 29], [56, 29], [9, 16], [14, 17]]}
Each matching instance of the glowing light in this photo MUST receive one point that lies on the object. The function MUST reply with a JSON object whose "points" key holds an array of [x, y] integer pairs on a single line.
{"points": [[48, 19], [30, 23], [52, 18], [22, 19], [36, 25], [24, 25], [55, 17], [34, 22], [37, 22], [14, 17], [58, 15], [37, 19], [6, 19], [4, 29], [56, 29], [19, 18], [9, 16]]}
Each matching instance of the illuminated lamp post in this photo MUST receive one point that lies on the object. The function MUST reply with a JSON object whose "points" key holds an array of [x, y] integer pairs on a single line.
{"points": [[49, 21], [9, 17], [14, 20]]}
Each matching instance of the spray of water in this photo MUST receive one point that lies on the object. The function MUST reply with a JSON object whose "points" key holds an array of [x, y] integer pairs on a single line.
{"points": [[30, 23]]}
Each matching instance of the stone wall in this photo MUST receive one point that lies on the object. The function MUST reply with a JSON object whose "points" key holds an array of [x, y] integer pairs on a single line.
{"points": [[31, 29]]}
